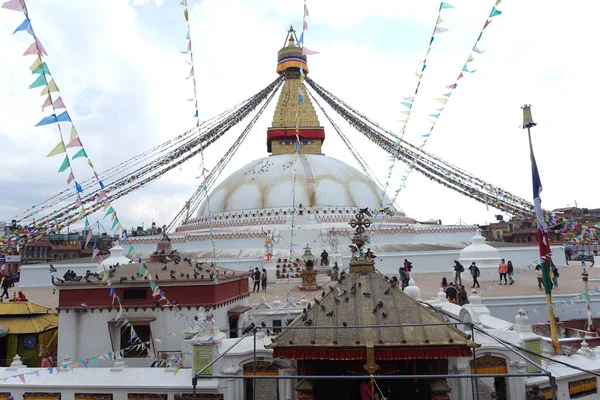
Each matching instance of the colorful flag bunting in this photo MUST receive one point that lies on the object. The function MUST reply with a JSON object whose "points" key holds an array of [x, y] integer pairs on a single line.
{"points": [[66, 164], [58, 149], [14, 5], [80, 153]]}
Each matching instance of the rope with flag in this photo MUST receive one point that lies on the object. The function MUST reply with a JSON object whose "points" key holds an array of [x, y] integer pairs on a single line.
{"points": [[409, 101], [434, 117], [192, 75]]}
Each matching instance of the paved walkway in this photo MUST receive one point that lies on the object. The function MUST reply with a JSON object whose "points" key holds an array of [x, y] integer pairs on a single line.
{"points": [[429, 283]]}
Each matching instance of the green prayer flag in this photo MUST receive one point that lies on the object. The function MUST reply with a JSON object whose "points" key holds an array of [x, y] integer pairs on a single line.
{"points": [[495, 12], [66, 164], [445, 5], [407, 104], [115, 223], [80, 153], [109, 211], [42, 69], [447, 94], [40, 81]]}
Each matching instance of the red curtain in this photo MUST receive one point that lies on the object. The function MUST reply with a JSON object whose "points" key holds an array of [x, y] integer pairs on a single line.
{"points": [[380, 354]]}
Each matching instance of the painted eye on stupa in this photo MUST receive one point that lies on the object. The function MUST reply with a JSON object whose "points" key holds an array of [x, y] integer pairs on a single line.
{"points": [[305, 142], [287, 143]]}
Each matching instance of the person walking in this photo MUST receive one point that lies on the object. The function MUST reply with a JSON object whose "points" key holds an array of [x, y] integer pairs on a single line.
{"points": [[502, 271], [510, 271], [475, 274], [555, 276], [263, 280], [458, 269], [5, 287], [256, 277], [540, 276]]}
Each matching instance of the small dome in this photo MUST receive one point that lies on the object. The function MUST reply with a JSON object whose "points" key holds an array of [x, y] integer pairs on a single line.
{"points": [[478, 250], [117, 256], [413, 290]]}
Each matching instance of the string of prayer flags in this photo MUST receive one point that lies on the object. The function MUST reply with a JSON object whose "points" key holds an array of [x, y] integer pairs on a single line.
{"points": [[192, 76], [53, 100], [409, 101], [446, 96]]}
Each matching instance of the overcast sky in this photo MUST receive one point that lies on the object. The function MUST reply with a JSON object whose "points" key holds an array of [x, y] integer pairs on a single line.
{"points": [[121, 74]]}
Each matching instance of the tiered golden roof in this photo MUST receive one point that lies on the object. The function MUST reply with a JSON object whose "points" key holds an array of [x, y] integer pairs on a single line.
{"points": [[287, 105]]}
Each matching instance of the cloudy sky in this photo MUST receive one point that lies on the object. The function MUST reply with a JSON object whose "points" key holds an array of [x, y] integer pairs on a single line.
{"points": [[121, 74]]}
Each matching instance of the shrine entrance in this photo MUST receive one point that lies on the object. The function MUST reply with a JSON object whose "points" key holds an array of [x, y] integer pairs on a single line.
{"points": [[489, 364], [418, 389], [260, 389]]}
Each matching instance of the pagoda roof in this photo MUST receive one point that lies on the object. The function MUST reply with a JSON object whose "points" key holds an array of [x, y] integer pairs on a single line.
{"points": [[361, 309]]}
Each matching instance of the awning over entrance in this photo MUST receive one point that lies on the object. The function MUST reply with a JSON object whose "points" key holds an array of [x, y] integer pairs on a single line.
{"points": [[238, 310], [380, 354]]}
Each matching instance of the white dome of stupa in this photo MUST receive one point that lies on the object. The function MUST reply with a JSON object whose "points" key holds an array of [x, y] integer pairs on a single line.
{"points": [[483, 255], [413, 290], [267, 183], [117, 256]]}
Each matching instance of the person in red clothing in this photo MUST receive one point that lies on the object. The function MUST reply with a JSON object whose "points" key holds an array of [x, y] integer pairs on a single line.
{"points": [[21, 297]]}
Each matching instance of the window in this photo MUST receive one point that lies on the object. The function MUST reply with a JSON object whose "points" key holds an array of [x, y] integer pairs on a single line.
{"points": [[498, 235], [276, 325], [528, 238], [134, 294], [143, 332], [582, 387]]}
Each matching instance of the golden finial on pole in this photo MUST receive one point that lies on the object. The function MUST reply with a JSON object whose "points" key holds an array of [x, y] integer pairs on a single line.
{"points": [[527, 118]]}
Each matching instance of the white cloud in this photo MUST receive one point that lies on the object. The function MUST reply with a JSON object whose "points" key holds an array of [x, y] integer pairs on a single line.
{"points": [[134, 94]]}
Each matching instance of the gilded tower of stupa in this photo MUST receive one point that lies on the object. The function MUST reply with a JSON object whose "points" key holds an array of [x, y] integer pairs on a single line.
{"points": [[291, 116]]}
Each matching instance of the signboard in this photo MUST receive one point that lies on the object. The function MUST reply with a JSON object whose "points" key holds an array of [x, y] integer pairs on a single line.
{"points": [[203, 356], [534, 346], [12, 259]]}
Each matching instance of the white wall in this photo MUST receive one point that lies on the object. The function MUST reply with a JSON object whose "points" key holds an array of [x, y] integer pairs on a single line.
{"points": [[85, 334]]}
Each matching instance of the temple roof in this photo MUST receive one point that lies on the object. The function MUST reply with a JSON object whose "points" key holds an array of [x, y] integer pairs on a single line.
{"points": [[362, 309]]}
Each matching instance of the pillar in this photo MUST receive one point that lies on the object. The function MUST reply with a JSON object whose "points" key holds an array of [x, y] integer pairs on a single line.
{"points": [[287, 386], [463, 367]]}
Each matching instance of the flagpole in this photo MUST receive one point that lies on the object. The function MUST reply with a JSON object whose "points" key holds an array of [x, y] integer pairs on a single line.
{"points": [[542, 236]]}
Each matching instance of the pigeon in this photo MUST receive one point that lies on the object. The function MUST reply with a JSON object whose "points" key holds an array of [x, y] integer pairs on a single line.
{"points": [[187, 276], [374, 310], [164, 268], [353, 290], [248, 328], [308, 306], [387, 291], [156, 277], [322, 307], [337, 300], [304, 317], [384, 315], [366, 294], [331, 288], [132, 278], [346, 299], [308, 323], [52, 269], [380, 304], [330, 313], [317, 301], [344, 324], [323, 294], [262, 324]]}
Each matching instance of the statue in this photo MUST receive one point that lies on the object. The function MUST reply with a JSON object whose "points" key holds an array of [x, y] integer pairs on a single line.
{"points": [[333, 241], [269, 241]]}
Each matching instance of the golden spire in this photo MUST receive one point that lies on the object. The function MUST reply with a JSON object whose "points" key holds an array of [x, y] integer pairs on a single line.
{"points": [[294, 113]]}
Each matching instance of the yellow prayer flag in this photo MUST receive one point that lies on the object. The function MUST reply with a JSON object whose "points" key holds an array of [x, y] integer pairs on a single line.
{"points": [[432, 121], [50, 88], [470, 58], [58, 149], [185, 14], [498, 2], [439, 20], [90, 164], [36, 64], [73, 133], [442, 99], [81, 213]]}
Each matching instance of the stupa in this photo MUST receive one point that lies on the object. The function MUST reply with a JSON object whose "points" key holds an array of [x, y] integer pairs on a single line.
{"points": [[248, 219]]}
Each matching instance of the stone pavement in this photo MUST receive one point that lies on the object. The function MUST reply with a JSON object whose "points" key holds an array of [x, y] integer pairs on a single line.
{"points": [[429, 283]]}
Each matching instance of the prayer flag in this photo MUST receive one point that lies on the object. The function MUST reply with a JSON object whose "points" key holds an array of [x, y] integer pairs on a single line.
{"points": [[444, 5], [66, 164], [25, 26], [58, 149], [14, 5], [308, 52]]}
